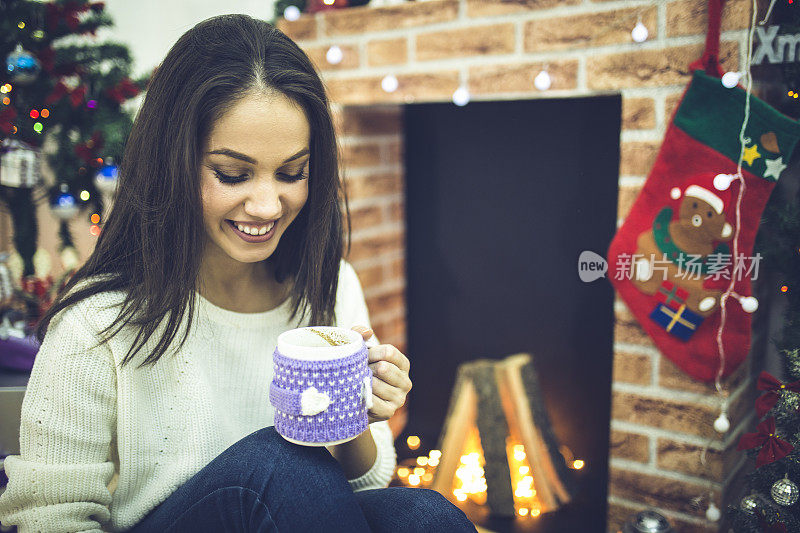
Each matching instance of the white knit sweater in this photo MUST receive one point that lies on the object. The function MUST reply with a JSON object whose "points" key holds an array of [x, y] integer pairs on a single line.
{"points": [[83, 418]]}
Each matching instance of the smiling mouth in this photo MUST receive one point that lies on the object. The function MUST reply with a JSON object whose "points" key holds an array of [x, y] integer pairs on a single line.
{"points": [[253, 230]]}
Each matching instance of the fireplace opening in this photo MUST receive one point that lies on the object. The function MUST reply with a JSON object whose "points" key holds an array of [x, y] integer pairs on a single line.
{"points": [[502, 198]]}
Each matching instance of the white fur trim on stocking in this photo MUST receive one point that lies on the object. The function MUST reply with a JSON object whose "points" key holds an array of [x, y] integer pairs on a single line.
{"points": [[707, 196]]}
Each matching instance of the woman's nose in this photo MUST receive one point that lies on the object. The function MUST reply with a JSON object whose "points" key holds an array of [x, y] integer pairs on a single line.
{"points": [[263, 201]]}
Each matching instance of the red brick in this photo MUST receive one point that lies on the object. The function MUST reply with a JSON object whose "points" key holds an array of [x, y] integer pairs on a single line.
{"points": [[365, 19], [586, 30], [631, 446], [632, 368], [466, 42], [638, 114], [689, 17], [518, 77], [380, 120], [387, 52], [672, 415], [652, 68], [488, 8], [636, 158], [661, 492]]}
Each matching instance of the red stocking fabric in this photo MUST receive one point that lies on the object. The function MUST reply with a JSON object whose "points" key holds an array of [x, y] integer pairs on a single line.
{"points": [[672, 258]]}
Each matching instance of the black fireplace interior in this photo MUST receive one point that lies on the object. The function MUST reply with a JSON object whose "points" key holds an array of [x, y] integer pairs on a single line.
{"points": [[501, 199]]}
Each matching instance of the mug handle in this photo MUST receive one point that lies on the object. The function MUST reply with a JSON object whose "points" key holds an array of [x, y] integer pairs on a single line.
{"points": [[366, 391], [308, 403]]}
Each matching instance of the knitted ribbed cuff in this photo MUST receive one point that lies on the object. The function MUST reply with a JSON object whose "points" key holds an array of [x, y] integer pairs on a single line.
{"points": [[380, 474]]}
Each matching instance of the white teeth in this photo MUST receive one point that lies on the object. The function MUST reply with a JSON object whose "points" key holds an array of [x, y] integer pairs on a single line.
{"points": [[254, 230]]}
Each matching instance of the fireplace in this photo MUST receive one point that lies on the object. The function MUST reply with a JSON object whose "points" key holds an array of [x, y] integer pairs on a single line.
{"points": [[659, 418]]}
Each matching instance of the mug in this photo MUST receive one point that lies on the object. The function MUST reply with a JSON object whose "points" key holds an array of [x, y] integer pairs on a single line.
{"points": [[322, 385]]}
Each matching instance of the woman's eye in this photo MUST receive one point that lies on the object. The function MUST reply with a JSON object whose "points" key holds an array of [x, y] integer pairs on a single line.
{"points": [[224, 178], [229, 180]]}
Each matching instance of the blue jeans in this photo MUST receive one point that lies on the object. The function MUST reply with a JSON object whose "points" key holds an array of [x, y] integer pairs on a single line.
{"points": [[264, 483]]}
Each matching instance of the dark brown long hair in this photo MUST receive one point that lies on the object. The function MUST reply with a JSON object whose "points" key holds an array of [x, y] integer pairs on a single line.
{"points": [[153, 241]]}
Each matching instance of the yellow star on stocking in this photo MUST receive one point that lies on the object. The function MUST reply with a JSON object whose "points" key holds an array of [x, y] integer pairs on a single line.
{"points": [[751, 154]]}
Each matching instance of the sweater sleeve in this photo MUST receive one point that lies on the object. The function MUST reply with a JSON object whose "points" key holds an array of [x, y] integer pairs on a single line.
{"points": [[353, 312], [59, 481]]}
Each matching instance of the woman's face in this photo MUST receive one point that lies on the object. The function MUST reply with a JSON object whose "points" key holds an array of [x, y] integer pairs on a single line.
{"points": [[262, 143]]}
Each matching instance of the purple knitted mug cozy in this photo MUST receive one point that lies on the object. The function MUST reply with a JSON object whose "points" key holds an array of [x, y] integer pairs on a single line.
{"points": [[323, 401]]}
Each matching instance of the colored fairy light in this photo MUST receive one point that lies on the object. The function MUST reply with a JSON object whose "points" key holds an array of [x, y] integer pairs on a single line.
{"points": [[37, 127], [91, 104], [85, 195], [6, 100], [21, 25], [34, 113], [784, 288], [95, 218], [94, 230], [45, 113]]}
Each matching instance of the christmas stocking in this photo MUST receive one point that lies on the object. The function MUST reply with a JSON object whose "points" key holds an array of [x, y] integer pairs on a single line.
{"points": [[672, 258]]}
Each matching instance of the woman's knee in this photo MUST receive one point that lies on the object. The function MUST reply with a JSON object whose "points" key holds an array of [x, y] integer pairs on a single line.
{"points": [[437, 513], [264, 455]]}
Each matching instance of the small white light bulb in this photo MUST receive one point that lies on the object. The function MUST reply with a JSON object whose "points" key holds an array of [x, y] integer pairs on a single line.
{"points": [[723, 181], [731, 79], [675, 193], [389, 83], [291, 13], [461, 96], [334, 55], [722, 424], [542, 81], [749, 304], [639, 32], [713, 513]]}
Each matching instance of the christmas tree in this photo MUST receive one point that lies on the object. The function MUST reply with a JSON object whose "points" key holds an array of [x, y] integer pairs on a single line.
{"points": [[62, 97], [770, 499]]}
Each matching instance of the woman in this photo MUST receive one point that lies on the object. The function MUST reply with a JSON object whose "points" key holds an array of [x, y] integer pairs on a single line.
{"points": [[226, 221]]}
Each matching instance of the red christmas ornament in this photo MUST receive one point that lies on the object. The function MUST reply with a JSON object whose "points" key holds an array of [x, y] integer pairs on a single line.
{"points": [[772, 447], [773, 386], [122, 91]]}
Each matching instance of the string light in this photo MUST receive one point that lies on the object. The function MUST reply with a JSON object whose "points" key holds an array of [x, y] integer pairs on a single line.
{"points": [[784, 288], [334, 55], [461, 96], [413, 442], [389, 83], [85, 195], [639, 32], [542, 80], [731, 79], [291, 13]]}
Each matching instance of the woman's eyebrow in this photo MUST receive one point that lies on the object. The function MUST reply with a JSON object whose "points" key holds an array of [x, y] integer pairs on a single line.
{"points": [[252, 161]]}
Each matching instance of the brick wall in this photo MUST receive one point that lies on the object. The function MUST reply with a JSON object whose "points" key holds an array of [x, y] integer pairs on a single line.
{"points": [[661, 419]]}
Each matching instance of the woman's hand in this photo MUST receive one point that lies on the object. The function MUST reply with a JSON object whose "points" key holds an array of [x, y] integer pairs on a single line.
{"points": [[390, 381]]}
